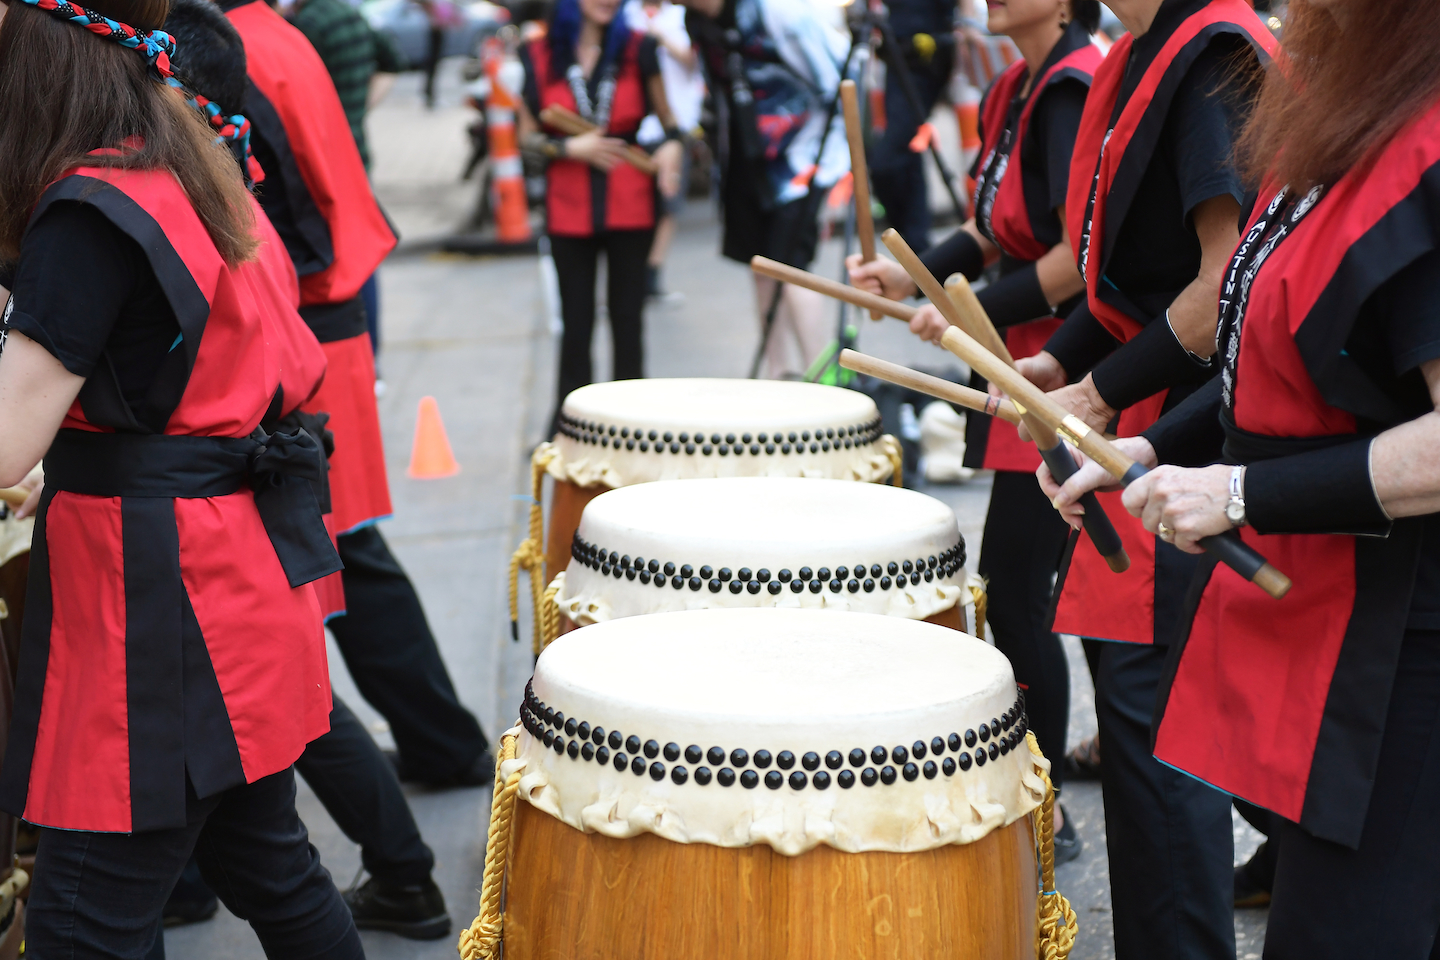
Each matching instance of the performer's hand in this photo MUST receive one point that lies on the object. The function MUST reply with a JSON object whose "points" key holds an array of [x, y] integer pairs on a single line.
{"points": [[881, 276], [1043, 370], [928, 324], [600, 151], [1085, 402], [1190, 502], [668, 158], [34, 482], [1090, 476]]}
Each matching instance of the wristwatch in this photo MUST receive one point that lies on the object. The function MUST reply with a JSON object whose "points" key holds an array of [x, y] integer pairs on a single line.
{"points": [[1235, 509]]}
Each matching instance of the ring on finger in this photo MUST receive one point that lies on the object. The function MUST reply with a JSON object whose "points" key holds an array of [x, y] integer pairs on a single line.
{"points": [[1165, 533]]}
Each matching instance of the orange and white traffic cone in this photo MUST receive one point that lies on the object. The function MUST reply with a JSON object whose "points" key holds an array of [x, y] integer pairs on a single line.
{"points": [[512, 215]]}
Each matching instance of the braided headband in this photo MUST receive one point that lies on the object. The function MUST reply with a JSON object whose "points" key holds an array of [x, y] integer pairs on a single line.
{"points": [[232, 129], [155, 46]]}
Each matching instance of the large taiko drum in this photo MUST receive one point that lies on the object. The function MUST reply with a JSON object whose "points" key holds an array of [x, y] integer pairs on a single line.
{"points": [[765, 784], [766, 542]]}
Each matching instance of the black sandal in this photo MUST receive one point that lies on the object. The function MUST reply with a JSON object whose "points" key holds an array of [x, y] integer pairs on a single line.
{"points": [[1083, 763]]}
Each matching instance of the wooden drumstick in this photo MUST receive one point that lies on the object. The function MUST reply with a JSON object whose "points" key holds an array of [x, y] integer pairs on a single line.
{"points": [[1227, 547], [860, 174], [14, 495], [967, 397], [572, 124], [831, 288], [976, 322]]}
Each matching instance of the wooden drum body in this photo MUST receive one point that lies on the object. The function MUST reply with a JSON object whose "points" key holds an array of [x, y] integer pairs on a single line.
{"points": [[766, 783], [769, 542], [584, 896]]}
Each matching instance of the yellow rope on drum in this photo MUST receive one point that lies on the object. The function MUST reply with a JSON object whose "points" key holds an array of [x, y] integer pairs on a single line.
{"points": [[896, 454], [1055, 926], [482, 939], [982, 606], [531, 553], [548, 618]]}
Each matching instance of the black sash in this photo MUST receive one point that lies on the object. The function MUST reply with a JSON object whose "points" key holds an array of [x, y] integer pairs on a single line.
{"points": [[280, 467]]}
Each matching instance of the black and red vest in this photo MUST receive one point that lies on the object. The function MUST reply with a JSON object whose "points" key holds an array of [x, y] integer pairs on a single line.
{"points": [[581, 201], [1112, 152], [1009, 217], [339, 234], [165, 639], [336, 235], [1283, 702]]}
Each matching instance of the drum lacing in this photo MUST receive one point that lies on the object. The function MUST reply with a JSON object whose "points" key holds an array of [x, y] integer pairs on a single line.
{"points": [[531, 555], [897, 460], [982, 605], [482, 940], [1055, 926]]}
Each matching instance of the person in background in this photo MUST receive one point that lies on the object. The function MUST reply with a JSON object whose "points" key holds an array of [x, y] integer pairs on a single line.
{"points": [[1029, 120], [773, 69], [591, 63], [362, 63], [439, 14], [321, 204], [685, 91], [924, 32]]}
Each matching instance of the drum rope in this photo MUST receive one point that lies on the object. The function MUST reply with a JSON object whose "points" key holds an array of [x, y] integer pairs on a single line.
{"points": [[982, 606], [1056, 924], [548, 618], [896, 454], [481, 941], [530, 555]]}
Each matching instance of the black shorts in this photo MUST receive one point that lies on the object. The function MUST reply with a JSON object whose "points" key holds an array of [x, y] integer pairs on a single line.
{"points": [[788, 233]]}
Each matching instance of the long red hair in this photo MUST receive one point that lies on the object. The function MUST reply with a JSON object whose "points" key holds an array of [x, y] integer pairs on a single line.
{"points": [[1336, 91]]}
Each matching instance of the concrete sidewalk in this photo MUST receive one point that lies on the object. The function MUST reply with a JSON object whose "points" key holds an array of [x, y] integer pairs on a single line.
{"points": [[473, 334]]}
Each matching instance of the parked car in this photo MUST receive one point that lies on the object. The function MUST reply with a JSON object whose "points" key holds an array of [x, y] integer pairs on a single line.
{"points": [[405, 23]]}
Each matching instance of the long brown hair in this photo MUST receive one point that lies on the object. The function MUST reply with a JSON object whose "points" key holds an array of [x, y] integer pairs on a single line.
{"points": [[1334, 94], [65, 92]]}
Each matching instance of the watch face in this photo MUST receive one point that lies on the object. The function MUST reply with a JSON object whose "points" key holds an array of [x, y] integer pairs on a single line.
{"points": [[1235, 512]]}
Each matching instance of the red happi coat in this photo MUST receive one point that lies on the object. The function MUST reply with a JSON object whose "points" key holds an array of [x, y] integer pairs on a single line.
{"points": [[581, 201], [1283, 702], [1009, 218], [295, 111], [1111, 155], [163, 639]]}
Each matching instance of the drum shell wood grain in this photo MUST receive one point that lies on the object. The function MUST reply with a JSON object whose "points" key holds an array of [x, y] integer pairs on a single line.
{"points": [[584, 896], [567, 502]]}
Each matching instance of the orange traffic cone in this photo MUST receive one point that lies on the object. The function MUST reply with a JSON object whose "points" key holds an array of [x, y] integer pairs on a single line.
{"points": [[431, 456], [512, 216]]}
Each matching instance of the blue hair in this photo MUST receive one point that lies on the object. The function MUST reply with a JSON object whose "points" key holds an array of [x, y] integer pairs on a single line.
{"points": [[565, 33]]}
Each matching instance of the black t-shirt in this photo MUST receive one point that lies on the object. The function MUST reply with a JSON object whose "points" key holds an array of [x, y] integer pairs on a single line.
{"points": [[114, 311], [1156, 253], [909, 17]]}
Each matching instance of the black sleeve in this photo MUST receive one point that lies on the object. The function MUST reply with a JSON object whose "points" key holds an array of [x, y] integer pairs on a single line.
{"points": [[1190, 435], [1322, 491], [73, 321], [1151, 361], [1413, 326], [1205, 119], [531, 90], [1056, 122], [649, 57], [958, 253], [1081, 342], [1017, 297]]}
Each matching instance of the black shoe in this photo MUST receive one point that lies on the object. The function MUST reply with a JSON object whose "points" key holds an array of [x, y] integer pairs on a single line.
{"points": [[416, 912], [1083, 763], [1067, 842], [480, 773], [1251, 887]]}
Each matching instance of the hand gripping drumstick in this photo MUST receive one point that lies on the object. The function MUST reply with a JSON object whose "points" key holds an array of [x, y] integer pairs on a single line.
{"points": [[1062, 465], [860, 174], [1226, 547], [15, 496], [1107, 542], [571, 123]]}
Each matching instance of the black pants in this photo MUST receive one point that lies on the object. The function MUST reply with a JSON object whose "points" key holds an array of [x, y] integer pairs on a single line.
{"points": [[100, 894], [359, 789], [576, 264], [897, 171], [391, 654], [435, 45], [1024, 538], [1382, 900], [1170, 837]]}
